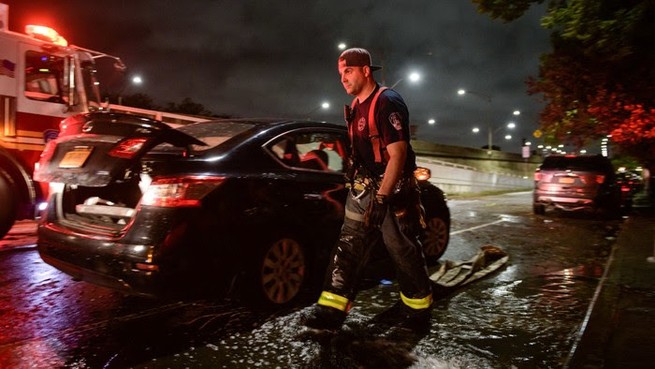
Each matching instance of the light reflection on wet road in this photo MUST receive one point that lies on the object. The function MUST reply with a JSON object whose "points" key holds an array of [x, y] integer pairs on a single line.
{"points": [[523, 316]]}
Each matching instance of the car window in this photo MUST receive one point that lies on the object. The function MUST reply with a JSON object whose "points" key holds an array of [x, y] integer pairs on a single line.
{"points": [[211, 133], [577, 163], [320, 151]]}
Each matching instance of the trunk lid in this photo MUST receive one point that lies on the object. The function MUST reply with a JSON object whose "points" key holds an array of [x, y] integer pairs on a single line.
{"points": [[108, 145]]}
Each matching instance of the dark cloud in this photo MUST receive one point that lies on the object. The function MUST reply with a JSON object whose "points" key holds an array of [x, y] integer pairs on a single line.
{"points": [[264, 58]]}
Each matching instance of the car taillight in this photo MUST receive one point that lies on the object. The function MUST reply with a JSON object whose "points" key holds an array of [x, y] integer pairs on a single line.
{"points": [[179, 191], [126, 149], [46, 154], [600, 179]]}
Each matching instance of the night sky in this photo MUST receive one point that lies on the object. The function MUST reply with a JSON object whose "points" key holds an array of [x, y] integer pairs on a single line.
{"points": [[278, 58]]}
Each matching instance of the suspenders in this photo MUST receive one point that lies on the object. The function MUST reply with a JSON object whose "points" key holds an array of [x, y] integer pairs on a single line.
{"points": [[373, 133]]}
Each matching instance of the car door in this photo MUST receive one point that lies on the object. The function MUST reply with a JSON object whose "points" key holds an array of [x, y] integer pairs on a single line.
{"points": [[316, 190]]}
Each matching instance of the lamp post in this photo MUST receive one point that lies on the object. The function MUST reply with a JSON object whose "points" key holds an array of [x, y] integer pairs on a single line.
{"points": [[490, 130]]}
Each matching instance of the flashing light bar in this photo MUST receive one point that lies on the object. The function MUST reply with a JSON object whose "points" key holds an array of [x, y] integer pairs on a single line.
{"points": [[44, 33]]}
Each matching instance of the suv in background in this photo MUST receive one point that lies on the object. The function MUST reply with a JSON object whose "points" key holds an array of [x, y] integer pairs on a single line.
{"points": [[570, 182]]}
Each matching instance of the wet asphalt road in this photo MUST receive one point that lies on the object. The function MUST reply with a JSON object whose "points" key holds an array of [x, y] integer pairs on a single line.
{"points": [[525, 315]]}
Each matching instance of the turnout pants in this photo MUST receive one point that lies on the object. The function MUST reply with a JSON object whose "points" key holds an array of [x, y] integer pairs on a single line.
{"points": [[353, 249]]}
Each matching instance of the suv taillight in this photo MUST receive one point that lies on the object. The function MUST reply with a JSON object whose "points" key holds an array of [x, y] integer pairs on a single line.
{"points": [[179, 191], [600, 179]]}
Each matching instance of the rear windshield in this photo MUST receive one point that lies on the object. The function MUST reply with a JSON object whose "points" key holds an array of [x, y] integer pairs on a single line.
{"points": [[211, 133], [594, 163]]}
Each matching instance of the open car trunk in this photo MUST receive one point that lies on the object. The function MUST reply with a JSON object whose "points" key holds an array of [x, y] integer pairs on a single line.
{"points": [[97, 172]]}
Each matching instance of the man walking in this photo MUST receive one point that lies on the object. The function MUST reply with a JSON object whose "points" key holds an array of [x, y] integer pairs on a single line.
{"points": [[384, 202]]}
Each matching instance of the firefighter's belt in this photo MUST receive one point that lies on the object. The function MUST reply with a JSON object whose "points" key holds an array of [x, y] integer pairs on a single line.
{"points": [[362, 183]]}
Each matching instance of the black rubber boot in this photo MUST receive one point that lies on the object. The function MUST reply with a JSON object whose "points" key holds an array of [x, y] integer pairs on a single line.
{"points": [[402, 316], [324, 317]]}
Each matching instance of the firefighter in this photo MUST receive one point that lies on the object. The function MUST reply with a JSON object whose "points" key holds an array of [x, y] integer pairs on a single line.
{"points": [[383, 203]]}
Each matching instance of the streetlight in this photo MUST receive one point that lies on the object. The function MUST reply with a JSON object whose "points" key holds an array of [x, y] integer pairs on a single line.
{"points": [[490, 130], [412, 77], [325, 105], [136, 80], [481, 95]]}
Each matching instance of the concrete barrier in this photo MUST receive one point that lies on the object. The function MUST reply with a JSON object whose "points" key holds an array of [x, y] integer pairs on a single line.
{"points": [[457, 179], [458, 170]]}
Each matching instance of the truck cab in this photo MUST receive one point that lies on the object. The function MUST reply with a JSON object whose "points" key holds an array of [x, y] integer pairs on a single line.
{"points": [[44, 80]]}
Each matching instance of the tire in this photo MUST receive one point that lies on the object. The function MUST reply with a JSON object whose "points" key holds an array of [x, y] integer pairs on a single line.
{"points": [[539, 209], [280, 272], [8, 208], [435, 238]]}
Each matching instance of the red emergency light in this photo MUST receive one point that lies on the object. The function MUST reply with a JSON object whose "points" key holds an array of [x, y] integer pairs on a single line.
{"points": [[44, 33]]}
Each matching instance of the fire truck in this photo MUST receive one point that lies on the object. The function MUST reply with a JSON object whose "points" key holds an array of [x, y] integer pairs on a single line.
{"points": [[43, 80]]}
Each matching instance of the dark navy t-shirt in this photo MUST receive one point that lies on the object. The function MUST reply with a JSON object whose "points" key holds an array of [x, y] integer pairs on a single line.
{"points": [[392, 118]]}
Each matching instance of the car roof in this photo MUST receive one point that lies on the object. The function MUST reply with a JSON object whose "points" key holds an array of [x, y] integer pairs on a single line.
{"points": [[262, 122]]}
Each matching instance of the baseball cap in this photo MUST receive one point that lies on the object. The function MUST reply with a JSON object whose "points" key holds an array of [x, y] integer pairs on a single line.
{"points": [[358, 57]]}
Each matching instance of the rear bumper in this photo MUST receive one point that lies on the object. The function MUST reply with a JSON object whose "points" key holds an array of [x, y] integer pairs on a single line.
{"points": [[565, 203], [108, 264]]}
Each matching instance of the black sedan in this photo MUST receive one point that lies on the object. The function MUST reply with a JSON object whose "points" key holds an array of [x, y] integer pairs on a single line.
{"points": [[245, 205]]}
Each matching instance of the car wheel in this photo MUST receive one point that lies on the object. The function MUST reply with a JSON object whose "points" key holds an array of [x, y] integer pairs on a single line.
{"points": [[435, 239], [8, 208], [280, 275], [539, 209]]}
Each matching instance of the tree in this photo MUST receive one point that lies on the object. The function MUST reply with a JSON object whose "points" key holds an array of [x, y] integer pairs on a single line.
{"points": [[598, 80], [187, 106]]}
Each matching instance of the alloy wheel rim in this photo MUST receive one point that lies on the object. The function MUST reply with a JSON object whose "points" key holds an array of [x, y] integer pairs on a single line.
{"points": [[435, 236], [283, 271]]}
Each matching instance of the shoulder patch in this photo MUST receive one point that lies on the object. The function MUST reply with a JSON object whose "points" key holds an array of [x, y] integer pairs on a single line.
{"points": [[395, 121]]}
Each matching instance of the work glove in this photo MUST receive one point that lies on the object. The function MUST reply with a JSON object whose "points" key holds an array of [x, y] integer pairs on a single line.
{"points": [[377, 210]]}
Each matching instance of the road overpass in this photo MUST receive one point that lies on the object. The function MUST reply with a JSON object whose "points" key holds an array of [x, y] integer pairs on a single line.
{"points": [[460, 170]]}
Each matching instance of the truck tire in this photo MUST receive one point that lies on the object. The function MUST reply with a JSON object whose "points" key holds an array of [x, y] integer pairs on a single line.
{"points": [[8, 201]]}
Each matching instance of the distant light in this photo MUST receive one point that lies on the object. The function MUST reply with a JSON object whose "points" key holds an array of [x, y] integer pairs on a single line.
{"points": [[137, 80], [508, 137], [431, 121], [341, 46], [475, 130], [516, 112], [325, 105], [414, 77], [528, 143], [583, 151], [42, 206], [461, 91], [511, 125]]}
